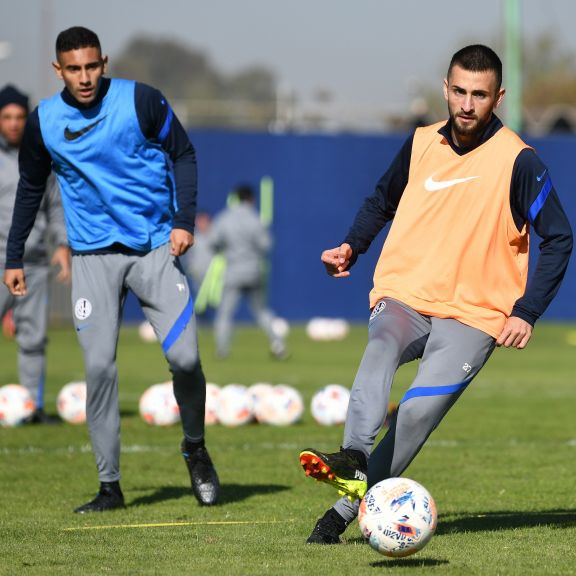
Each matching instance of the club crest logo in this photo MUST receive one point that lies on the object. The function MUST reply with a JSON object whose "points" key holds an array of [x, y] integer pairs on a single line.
{"points": [[377, 309], [82, 308]]}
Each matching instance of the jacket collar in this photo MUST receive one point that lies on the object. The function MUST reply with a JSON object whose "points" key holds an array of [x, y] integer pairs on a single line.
{"points": [[491, 128], [102, 91]]}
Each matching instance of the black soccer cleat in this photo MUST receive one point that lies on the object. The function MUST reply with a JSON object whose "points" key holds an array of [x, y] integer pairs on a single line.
{"points": [[203, 476], [278, 351], [109, 497], [346, 470], [40, 417], [328, 529]]}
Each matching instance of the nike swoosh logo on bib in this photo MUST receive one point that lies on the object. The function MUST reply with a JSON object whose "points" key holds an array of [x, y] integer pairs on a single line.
{"points": [[69, 135], [433, 186]]}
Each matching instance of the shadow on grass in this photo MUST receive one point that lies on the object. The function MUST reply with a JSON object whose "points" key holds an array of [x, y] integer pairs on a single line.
{"points": [[486, 522], [408, 563], [228, 493], [417, 562], [492, 521]]}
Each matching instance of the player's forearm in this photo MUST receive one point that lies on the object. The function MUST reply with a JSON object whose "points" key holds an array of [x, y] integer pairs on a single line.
{"points": [[185, 176], [380, 208], [56, 222], [547, 278]]}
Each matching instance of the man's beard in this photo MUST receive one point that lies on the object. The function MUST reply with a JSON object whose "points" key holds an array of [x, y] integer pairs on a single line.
{"points": [[473, 130]]}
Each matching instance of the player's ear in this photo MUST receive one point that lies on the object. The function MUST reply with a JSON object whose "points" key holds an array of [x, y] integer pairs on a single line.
{"points": [[57, 69], [105, 64], [445, 88], [499, 97]]}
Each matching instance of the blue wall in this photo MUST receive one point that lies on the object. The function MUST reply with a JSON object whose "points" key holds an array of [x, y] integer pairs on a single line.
{"points": [[320, 182]]}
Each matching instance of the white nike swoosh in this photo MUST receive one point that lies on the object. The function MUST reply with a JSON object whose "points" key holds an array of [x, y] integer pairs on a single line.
{"points": [[432, 186]]}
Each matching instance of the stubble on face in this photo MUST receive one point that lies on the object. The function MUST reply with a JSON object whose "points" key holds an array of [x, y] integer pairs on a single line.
{"points": [[472, 98]]}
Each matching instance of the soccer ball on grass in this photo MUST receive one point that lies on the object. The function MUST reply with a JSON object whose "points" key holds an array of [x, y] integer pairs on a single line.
{"points": [[158, 405], [16, 404], [281, 406], [71, 402], [235, 405], [330, 404], [212, 399], [397, 516]]}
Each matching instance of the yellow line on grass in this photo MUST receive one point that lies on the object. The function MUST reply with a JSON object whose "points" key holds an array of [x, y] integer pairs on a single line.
{"points": [[169, 524]]}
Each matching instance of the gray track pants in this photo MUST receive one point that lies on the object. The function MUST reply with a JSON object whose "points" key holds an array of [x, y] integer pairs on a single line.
{"points": [[100, 285], [223, 323], [31, 320], [451, 355]]}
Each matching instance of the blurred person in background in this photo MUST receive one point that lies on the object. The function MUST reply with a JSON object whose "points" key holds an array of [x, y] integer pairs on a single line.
{"points": [[196, 261], [245, 242], [451, 283], [27, 317], [128, 178]]}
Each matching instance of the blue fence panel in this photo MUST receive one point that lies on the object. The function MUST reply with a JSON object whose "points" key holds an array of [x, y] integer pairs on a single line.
{"points": [[320, 181]]}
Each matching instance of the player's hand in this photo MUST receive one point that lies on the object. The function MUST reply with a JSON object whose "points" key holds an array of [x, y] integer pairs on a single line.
{"points": [[15, 281], [337, 260], [516, 333], [180, 241], [61, 259]]}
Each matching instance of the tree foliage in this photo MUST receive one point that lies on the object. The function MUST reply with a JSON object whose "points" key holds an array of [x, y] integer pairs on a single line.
{"points": [[202, 94], [549, 74]]}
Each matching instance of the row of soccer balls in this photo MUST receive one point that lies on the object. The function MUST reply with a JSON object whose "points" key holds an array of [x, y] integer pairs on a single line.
{"points": [[230, 405], [397, 516]]}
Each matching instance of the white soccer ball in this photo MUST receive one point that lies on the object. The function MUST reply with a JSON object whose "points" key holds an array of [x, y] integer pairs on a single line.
{"points": [[158, 406], [280, 407], [338, 329], [327, 328], [16, 404], [258, 392], [235, 406], [146, 332], [397, 516], [330, 404], [71, 402], [212, 399], [315, 328]]}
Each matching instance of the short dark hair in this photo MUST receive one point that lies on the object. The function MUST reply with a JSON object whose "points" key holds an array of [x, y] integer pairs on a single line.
{"points": [[75, 38], [245, 193], [478, 58]]}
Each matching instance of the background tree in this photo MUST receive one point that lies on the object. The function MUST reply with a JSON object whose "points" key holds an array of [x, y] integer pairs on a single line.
{"points": [[201, 94]]}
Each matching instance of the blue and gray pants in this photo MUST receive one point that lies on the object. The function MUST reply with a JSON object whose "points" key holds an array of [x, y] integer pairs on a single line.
{"points": [[451, 356], [100, 285]]}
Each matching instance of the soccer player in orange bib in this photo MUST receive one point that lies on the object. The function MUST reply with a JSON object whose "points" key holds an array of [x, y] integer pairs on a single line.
{"points": [[451, 281]]}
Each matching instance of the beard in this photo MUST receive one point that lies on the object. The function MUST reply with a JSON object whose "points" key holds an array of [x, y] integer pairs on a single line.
{"points": [[472, 130]]}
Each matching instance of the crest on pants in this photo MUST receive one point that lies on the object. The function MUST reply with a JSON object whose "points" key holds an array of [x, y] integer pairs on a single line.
{"points": [[82, 308], [377, 309]]}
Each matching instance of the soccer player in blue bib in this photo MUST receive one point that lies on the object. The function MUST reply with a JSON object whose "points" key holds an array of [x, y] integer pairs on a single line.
{"points": [[127, 173]]}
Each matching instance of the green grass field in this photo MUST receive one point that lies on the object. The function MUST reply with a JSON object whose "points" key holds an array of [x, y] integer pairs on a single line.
{"points": [[501, 468]]}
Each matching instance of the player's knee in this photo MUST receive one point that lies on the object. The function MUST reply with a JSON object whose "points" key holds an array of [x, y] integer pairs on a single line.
{"points": [[183, 362], [98, 369], [412, 415], [33, 349]]}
